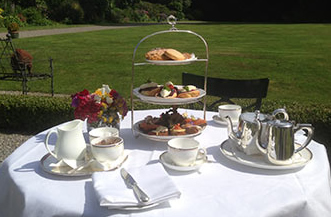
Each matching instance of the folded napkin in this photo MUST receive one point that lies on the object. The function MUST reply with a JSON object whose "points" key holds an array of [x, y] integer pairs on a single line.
{"points": [[65, 162], [112, 191]]}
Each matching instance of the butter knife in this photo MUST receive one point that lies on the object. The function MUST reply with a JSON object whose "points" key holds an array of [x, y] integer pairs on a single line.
{"points": [[130, 182]]}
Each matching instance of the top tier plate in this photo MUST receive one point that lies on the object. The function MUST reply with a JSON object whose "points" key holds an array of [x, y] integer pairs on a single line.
{"points": [[167, 101], [173, 62]]}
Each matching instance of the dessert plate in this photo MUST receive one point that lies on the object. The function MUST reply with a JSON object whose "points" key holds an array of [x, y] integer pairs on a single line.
{"points": [[222, 122], [167, 162], [47, 162], [173, 62], [299, 159], [163, 138], [167, 101]]}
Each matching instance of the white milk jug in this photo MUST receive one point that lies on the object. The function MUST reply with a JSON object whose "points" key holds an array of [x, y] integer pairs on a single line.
{"points": [[70, 143]]}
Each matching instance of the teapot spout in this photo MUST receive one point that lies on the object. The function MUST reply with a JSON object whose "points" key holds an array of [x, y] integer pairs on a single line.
{"points": [[231, 133]]}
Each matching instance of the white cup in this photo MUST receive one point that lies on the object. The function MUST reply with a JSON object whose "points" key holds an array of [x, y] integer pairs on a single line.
{"points": [[233, 111], [103, 132], [107, 148], [185, 151]]}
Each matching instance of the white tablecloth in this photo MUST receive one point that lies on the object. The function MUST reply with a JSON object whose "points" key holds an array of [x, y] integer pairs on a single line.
{"points": [[220, 188]]}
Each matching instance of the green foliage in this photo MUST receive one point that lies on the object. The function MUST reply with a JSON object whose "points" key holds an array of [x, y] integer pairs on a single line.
{"points": [[13, 27], [94, 11], [33, 114], [156, 12], [8, 20], [67, 11], [35, 17]]}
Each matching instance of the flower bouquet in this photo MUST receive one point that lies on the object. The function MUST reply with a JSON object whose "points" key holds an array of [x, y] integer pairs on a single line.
{"points": [[101, 108]]}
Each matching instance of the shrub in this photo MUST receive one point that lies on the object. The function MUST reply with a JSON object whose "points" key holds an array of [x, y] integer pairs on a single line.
{"points": [[156, 12], [32, 114], [94, 11], [8, 20], [69, 11], [117, 15], [35, 17]]}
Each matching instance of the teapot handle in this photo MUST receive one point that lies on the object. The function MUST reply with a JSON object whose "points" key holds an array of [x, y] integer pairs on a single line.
{"points": [[47, 144], [310, 131], [281, 111]]}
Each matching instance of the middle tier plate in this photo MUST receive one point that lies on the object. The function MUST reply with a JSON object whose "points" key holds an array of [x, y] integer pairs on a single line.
{"points": [[163, 138], [169, 101]]}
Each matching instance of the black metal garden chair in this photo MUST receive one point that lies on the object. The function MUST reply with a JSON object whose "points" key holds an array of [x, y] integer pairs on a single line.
{"points": [[228, 89]]}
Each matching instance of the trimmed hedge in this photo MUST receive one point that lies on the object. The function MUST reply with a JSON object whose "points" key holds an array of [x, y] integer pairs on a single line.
{"points": [[32, 114]]}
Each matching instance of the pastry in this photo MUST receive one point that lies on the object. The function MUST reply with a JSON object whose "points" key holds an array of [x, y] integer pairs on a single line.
{"points": [[200, 122], [171, 123], [150, 89], [187, 55], [168, 90], [190, 128], [159, 131], [174, 54], [166, 54], [147, 127], [156, 54], [177, 130], [188, 91]]}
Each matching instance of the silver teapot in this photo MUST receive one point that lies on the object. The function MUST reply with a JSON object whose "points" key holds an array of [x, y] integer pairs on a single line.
{"points": [[251, 130], [280, 146]]}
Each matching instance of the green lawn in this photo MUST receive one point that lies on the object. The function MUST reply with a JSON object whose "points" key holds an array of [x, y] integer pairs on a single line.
{"points": [[295, 57]]}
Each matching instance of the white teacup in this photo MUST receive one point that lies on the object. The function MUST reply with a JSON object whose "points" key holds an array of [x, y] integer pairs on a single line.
{"points": [[107, 148], [185, 151], [103, 132], [233, 111]]}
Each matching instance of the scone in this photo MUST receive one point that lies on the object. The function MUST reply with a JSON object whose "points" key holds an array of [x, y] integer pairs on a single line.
{"points": [[156, 54], [174, 54]]}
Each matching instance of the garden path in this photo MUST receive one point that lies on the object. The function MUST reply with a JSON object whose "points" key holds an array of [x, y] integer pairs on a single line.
{"points": [[57, 31]]}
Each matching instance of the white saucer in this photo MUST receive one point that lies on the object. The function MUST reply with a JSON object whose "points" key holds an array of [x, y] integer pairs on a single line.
{"points": [[48, 161], [220, 121], [167, 162], [299, 159]]}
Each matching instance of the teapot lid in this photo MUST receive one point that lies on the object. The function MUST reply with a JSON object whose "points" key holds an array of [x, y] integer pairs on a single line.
{"points": [[281, 123], [251, 116]]}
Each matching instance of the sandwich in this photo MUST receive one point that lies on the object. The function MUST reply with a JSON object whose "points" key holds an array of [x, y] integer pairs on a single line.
{"points": [[159, 131], [150, 89]]}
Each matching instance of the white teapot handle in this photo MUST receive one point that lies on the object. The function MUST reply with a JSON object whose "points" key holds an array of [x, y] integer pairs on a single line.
{"points": [[46, 141]]}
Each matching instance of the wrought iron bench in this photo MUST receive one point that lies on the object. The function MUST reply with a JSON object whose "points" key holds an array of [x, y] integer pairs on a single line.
{"points": [[17, 67]]}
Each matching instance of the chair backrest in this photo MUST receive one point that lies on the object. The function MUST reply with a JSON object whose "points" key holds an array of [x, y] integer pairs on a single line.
{"points": [[228, 89]]}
